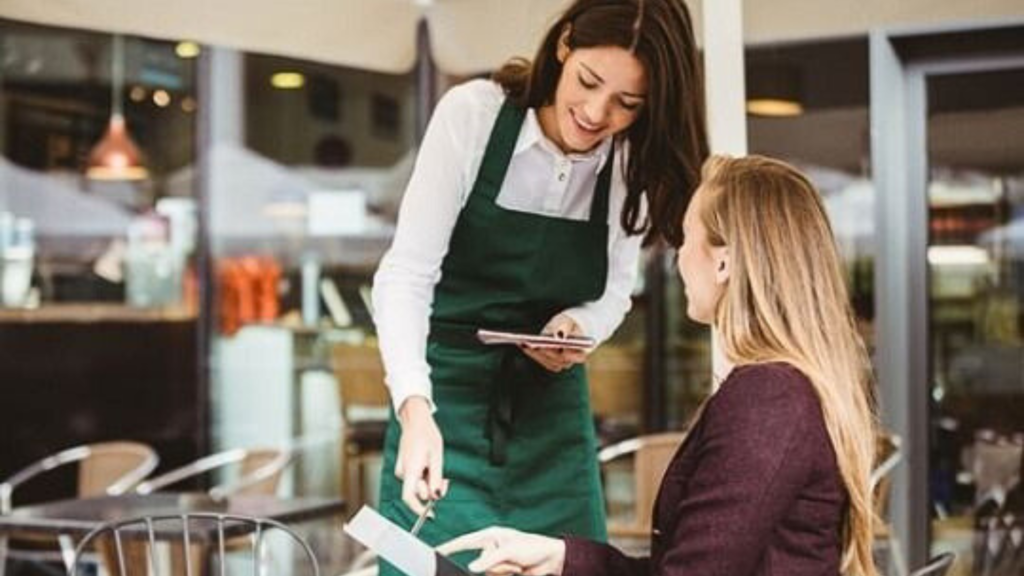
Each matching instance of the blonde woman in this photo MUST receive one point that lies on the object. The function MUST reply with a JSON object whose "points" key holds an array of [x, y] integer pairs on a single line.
{"points": [[773, 476]]}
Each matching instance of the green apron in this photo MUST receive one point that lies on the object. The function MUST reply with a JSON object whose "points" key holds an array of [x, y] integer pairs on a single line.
{"points": [[519, 443]]}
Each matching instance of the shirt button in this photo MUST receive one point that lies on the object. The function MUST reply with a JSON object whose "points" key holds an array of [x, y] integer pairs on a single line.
{"points": [[561, 176]]}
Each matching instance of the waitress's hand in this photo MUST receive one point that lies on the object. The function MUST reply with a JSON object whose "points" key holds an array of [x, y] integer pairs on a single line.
{"points": [[559, 359], [507, 551], [420, 462]]}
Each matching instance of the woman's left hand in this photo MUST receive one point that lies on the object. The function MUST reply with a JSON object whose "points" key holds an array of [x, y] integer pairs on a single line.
{"points": [[557, 360], [506, 551]]}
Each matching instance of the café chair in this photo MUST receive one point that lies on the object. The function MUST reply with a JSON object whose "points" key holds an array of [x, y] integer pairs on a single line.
{"points": [[364, 405], [999, 543], [937, 566], [199, 541], [651, 456], [107, 468], [260, 472], [888, 455]]}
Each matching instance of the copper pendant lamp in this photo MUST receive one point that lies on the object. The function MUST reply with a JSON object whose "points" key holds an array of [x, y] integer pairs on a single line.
{"points": [[116, 156]]}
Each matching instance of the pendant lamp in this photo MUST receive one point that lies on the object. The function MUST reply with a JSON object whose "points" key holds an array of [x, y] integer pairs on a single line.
{"points": [[773, 89], [115, 156]]}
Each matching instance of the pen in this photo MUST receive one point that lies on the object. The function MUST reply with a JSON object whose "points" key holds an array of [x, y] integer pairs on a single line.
{"points": [[422, 517]]}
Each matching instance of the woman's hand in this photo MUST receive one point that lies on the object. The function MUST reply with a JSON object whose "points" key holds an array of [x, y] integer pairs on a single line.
{"points": [[507, 551], [559, 359], [420, 462]]}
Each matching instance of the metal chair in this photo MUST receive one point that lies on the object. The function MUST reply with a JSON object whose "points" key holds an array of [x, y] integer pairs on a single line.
{"points": [[999, 544], [889, 453], [261, 470], [107, 468], [652, 456], [937, 566], [132, 545], [364, 408]]}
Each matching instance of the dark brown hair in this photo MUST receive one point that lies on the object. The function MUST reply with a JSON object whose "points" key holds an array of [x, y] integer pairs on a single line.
{"points": [[668, 139]]}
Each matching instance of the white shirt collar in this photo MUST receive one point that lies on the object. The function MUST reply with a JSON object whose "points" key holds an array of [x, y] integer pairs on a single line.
{"points": [[531, 135]]}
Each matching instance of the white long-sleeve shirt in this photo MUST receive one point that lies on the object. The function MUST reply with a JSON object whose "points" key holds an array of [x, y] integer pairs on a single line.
{"points": [[540, 179]]}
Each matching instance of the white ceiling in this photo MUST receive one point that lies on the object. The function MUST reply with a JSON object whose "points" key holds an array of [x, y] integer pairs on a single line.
{"points": [[469, 35]]}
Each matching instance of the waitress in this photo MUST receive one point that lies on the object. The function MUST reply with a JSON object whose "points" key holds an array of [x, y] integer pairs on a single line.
{"points": [[525, 212]]}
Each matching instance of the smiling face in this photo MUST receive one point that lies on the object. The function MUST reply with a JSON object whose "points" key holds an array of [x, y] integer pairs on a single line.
{"points": [[599, 94]]}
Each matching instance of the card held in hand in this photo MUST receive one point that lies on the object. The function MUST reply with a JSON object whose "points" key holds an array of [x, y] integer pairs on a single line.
{"points": [[406, 552]]}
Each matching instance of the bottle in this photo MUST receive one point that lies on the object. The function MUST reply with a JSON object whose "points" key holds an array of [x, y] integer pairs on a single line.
{"points": [[310, 290], [152, 269], [19, 251]]}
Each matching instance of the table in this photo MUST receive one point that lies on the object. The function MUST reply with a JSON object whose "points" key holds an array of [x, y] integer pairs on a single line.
{"points": [[65, 519]]}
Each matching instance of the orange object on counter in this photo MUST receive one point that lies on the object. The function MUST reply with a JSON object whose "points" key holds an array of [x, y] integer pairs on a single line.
{"points": [[247, 291], [267, 302]]}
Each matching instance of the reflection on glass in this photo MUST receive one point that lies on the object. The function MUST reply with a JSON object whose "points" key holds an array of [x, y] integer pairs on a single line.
{"points": [[55, 102], [976, 296], [303, 204], [827, 85]]}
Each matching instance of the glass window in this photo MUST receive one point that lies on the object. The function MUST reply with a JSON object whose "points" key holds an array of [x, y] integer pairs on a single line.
{"points": [[306, 189], [976, 323], [806, 104], [93, 236], [97, 284], [820, 124]]}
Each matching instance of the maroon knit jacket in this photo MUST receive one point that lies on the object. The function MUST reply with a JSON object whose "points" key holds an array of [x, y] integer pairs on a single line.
{"points": [[754, 490]]}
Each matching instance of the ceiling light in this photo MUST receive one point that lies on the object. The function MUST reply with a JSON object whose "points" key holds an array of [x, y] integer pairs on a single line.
{"points": [[115, 156], [959, 255], [161, 98], [287, 80], [187, 49], [137, 93], [773, 107], [773, 89]]}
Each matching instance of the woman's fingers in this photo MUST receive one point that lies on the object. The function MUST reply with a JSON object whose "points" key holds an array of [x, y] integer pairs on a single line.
{"points": [[491, 558], [543, 358], [561, 325], [554, 360], [472, 541], [410, 486], [435, 484], [506, 569], [574, 356]]}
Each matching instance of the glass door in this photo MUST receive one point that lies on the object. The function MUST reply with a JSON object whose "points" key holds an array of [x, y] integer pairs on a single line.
{"points": [[975, 284]]}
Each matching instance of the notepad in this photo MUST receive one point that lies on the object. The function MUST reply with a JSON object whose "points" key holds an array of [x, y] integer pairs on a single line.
{"points": [[406, 552], [584, 343]]}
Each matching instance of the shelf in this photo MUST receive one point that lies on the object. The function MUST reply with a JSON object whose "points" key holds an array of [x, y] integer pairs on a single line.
{"points": [[92, 313]]}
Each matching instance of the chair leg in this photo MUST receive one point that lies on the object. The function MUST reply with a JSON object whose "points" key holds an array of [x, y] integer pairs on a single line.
{"points": [[67, 551], [896, 551], [3, 555]]}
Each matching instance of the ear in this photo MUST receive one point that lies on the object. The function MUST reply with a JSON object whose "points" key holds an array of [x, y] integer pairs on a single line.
{"points": [[563, 49], [723, 266]]}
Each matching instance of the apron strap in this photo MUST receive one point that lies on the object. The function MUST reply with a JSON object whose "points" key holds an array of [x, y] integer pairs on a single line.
{"points": [[599, 204], [498, 153]]}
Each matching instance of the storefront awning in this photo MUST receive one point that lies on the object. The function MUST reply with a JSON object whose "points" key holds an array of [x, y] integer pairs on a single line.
{"points": [[467, 36]]}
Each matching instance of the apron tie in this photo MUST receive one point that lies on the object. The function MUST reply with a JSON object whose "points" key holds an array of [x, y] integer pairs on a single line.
{"points": [[500, 417]]}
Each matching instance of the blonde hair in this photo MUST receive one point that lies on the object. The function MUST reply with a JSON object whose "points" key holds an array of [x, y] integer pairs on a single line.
{"points": [[786, 301]]}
